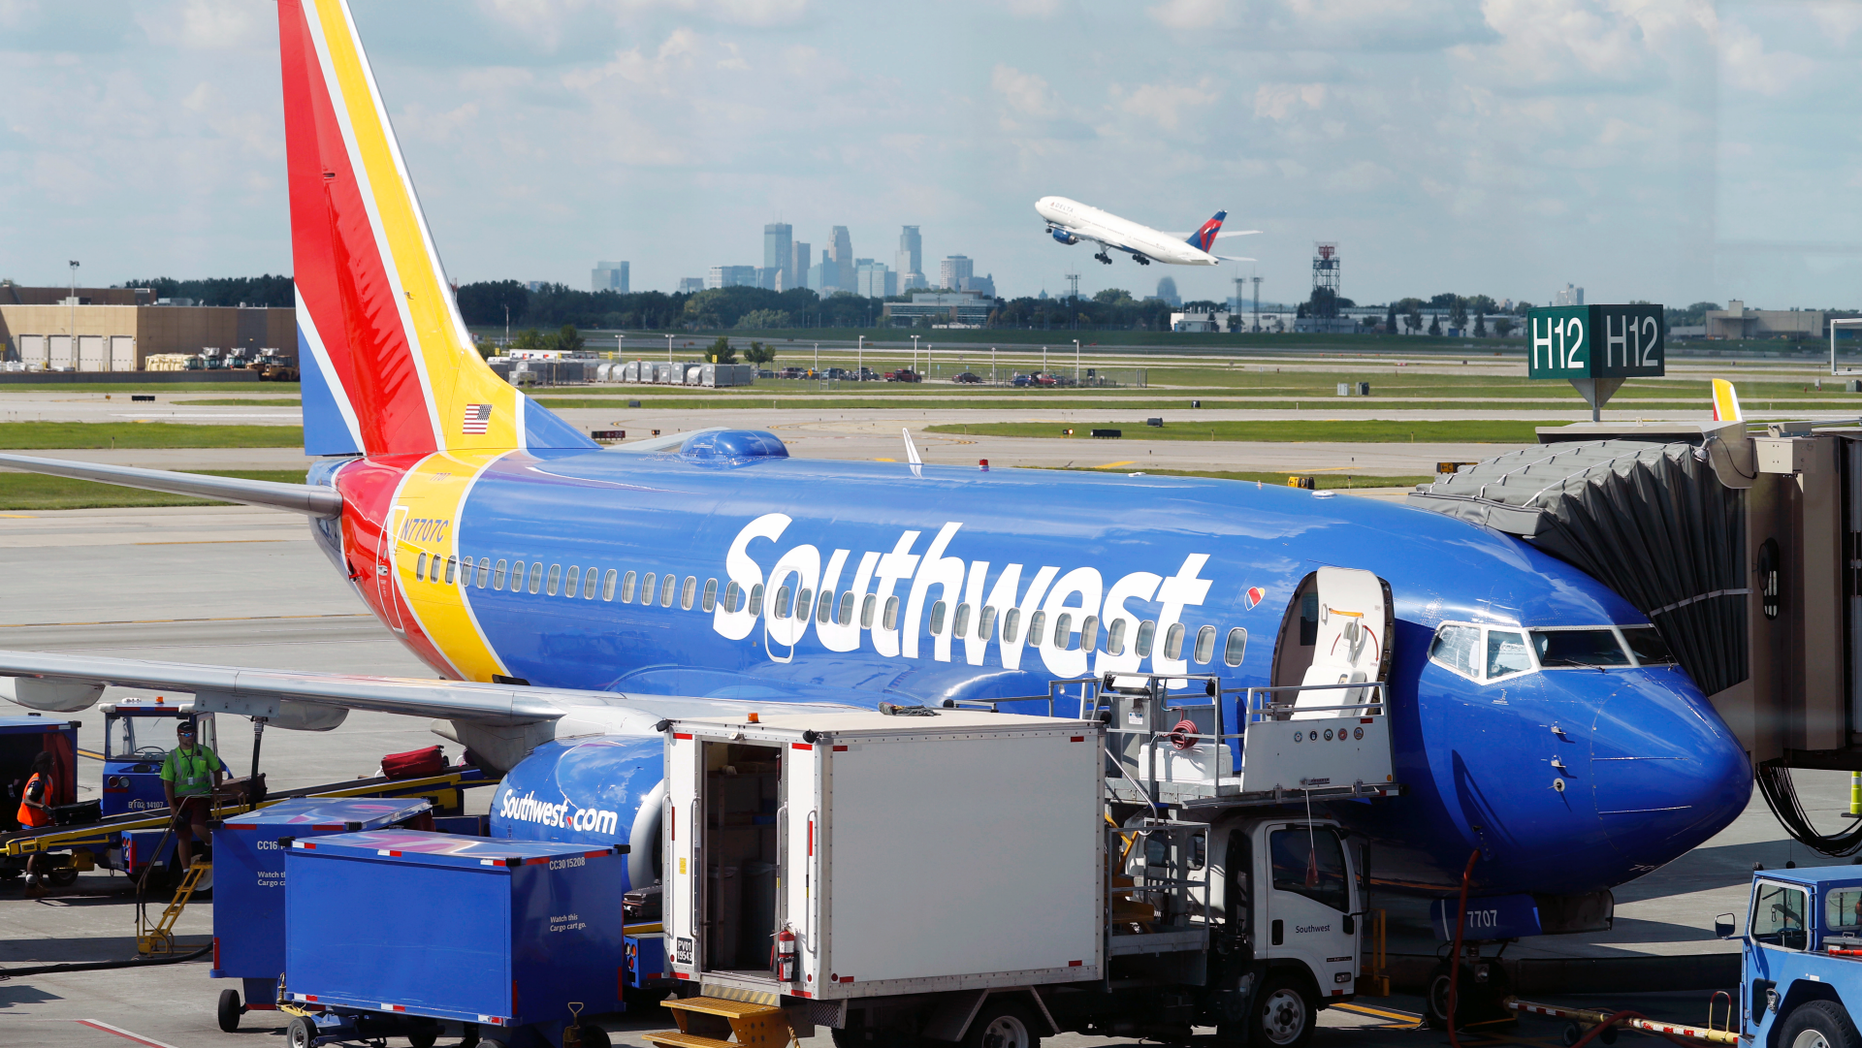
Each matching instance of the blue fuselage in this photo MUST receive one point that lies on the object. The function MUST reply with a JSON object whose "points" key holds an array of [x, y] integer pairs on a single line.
{"points": [[910, 560]]}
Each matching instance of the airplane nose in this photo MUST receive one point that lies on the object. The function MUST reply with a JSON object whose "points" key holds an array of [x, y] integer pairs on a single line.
{"points": [[1665, 771]]}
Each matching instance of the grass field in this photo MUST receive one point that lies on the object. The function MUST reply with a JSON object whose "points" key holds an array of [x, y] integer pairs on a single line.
{"points": [[35, 491], [1324, 481], [1373, 431], [31, 436], [250, 386], [244, 402]]}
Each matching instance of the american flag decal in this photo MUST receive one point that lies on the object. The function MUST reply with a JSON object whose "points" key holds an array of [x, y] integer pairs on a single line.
{"points": [[477, 417]]}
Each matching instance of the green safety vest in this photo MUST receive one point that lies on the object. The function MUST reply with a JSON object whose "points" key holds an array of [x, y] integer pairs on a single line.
{"points": [[191, 772]]}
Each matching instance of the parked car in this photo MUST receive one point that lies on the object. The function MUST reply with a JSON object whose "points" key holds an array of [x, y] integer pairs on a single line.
{"points": [[968, 378], [839, 373], [1042, 378], [794, 372], [1021, 381], [765, 373], [904, 375]]}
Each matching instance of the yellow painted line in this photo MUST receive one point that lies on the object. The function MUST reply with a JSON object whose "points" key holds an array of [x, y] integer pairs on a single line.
{"points": [[19, 516], [1379, 1013], [885, 460], [1109, 465], [91, 755]]}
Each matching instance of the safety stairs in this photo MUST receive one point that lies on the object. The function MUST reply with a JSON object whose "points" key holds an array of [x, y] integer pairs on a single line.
{"points": [[713, 1022], [161, 937]]}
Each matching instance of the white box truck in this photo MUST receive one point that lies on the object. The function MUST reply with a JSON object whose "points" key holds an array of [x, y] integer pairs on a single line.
{"points": [[967, 876]]}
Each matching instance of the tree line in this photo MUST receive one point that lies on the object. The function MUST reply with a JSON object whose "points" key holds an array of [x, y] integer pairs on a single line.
{"points": [[264, 290]]}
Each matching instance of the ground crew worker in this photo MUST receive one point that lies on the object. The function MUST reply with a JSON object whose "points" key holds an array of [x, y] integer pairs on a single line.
{"points": [[190, 774], [35, 810]]}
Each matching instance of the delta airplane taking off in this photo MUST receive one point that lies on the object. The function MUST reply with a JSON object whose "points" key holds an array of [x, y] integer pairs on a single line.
{"points": [[1070, 222], [572, 596]]}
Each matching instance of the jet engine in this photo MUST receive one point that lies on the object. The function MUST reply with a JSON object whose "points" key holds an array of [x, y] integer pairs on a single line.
{"points": [[1064, 237], [601, 790]]}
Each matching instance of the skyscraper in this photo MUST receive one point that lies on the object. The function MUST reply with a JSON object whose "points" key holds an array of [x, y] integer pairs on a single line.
{"points": [[778, 250], [911, 258], [953, 270], [609, 276], [800, 260], [1167, 290], [844, 265]]}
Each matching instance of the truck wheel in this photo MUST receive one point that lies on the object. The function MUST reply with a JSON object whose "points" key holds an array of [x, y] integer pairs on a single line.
{"points": [[302, 1033], [63, 876], [1003, 1024], [424, 1038], [1819, 1024], [595, 1037], [1283, 1017], [229, 1011]]}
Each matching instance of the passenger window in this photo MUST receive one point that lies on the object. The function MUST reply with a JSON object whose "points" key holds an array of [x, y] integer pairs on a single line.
{"points": [[1237, 646], [756, 599], [733, 596], [1063, 631], [1506, 654], [1089, 633], [420, 567], [1558, 649], [961, 627], [484, 569], [783, 596], [1205, 644], [607, 584], [688, 593], [1778, 916], [497, 576], [711, 595], [890, 620], [555, 579], [575, 581], [452, 569], [1310, 862], [1037, 626], [1012, 626], [938, 610], [867, 608], [846, 609], [824, 607], [1647, 644], [805, 604], [1173, 641], [536, 576], [1455, 648], [985, 622], [1115, 637], [666, 585], [1147, 632], [1842, 910], [588, 585], [647, 587]]}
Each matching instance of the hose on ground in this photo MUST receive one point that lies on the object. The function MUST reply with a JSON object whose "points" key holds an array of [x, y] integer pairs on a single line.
{"points": [[99, 966], [1454, 957], [1774, 777]]}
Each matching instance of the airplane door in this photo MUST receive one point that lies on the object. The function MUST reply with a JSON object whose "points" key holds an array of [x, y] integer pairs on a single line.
{"points": [[1336, 631], [1308, 905], [386, 571]]}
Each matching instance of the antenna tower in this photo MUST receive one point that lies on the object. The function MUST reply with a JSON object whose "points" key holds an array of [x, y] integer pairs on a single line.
{"points": [[1324, 281], [1257, 303]]}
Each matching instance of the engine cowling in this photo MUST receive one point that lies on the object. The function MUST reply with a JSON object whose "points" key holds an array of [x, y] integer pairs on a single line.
{"points": [[1064, 237], [604, 790]]}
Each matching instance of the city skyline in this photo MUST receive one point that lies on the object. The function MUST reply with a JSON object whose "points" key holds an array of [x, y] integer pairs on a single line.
{"points": [[1666, 151]]}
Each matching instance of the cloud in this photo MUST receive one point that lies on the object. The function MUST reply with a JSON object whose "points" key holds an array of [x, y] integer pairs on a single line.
{"points": [[1024, 93], [1163, 104], [1327, 25], [1279, 101], [207, 25]]}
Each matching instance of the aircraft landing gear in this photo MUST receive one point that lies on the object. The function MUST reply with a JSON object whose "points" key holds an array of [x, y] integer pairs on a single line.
{"points": [[1103, 257], [1141, 260]]}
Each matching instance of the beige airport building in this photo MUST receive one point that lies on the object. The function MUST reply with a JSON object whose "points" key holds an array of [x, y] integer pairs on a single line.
{"points": [[119, 329]]}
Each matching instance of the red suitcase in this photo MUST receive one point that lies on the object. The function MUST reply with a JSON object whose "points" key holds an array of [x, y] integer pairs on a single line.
{"points": [[414, 763]]}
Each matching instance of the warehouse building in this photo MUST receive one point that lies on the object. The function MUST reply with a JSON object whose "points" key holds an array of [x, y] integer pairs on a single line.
{"points": [[1736, 321], [118, 329]]}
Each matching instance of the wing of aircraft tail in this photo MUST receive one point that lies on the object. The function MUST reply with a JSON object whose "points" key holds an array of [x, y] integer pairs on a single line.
{"points": [[388, 364], [1726, 402], [309, 499]]}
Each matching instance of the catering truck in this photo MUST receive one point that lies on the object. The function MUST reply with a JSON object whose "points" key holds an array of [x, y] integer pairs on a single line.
{"points": [[987, 878]]}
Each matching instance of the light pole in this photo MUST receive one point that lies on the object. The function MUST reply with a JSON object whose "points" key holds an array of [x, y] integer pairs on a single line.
{"points": [[1076, 361], [914, 352], [859, 361], [992, 365], [507, 328], [817, 356], [668, 349], [75, 360]]}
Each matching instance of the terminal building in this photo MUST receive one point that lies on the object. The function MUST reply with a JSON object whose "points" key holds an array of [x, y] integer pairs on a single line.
{"points": [[119, 329], [1736, 321], [943, 309]]}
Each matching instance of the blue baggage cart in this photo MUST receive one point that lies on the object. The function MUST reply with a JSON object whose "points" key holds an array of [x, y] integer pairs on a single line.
{"points": [[248, 879], [517, 939]]}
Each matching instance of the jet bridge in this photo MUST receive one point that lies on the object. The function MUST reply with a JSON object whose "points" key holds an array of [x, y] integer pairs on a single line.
{"points": [[1743, 547]]}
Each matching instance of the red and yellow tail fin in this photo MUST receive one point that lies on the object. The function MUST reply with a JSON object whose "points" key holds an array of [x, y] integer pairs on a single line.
{"points": [[1726, 402], [388, 365]]}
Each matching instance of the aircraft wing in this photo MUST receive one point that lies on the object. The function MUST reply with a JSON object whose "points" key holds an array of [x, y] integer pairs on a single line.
{"points": [[308, 499]]}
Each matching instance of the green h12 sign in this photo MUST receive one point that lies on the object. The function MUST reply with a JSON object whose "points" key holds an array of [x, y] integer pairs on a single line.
{"points": [[1590, 342]]}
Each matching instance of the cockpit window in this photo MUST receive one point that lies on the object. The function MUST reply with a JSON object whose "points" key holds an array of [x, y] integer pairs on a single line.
{"points": [[1558, 649], [1648, 646], [1456, 647], [1506, 654]]}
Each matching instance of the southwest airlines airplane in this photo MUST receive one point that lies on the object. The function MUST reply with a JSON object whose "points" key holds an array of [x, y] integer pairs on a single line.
{"points": [[569, 597], [1070, 222]]}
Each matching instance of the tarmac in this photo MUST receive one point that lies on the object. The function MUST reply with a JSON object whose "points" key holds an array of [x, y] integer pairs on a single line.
{"points": [[247, 587]]}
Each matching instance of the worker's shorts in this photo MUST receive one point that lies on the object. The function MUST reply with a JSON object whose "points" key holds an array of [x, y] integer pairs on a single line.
{"points": [[189, 811]]}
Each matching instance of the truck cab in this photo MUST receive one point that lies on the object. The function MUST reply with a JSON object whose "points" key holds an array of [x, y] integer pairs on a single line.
{"points": [[1802, 963], [138, 733]]}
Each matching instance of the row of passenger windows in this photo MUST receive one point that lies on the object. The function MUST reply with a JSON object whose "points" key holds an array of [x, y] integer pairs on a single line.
{"points": [[535, 577]]}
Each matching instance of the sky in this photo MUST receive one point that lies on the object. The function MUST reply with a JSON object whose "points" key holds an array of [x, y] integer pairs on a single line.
{"points": [[1664, 150]]}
